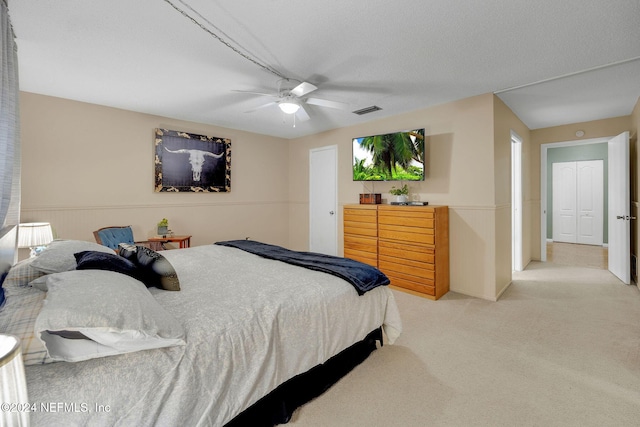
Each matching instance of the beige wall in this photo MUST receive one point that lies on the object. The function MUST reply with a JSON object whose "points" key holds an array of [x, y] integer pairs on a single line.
{"points": [[506, 121], [593, 129], [461, 172], [86, 166]]}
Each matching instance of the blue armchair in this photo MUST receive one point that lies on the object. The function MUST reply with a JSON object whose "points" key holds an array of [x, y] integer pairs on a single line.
{"points": [[111, 237]]}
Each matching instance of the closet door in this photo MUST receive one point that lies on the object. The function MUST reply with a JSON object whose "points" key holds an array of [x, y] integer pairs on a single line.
{"points": [[564, 202], [578, 207], [590, 204]]}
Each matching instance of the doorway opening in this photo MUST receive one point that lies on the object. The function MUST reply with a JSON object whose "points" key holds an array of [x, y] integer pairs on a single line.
{"points": [[546, 194], [516, 202], [616, 200]]}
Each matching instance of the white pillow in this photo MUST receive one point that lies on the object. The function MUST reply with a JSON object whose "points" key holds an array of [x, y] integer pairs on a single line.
{"points": [[114, 313], [58, 256]]}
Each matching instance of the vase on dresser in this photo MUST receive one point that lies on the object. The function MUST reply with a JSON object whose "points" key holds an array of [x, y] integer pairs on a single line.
{"points": [[402, 198]]}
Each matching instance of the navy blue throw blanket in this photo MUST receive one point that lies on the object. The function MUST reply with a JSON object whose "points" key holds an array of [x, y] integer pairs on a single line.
{"points": [[363, 277]]}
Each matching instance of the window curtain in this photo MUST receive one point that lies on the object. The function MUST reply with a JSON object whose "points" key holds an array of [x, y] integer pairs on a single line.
{"points": [[9, 123]]}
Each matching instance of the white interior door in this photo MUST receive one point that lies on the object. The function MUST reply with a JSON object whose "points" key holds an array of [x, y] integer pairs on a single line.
{"points": [[590, 202], [619, 208], [323, 200], [564, 202]]}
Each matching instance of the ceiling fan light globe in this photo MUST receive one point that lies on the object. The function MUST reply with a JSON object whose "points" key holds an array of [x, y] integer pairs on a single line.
{"points": [[289, 107]]}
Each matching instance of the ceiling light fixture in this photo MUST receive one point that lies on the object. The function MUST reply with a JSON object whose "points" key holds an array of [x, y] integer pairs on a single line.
{"points": [[289, 106]]}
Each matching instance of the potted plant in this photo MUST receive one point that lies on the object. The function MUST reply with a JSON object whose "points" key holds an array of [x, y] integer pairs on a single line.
{"points": [[402, 193], [163, 227]]}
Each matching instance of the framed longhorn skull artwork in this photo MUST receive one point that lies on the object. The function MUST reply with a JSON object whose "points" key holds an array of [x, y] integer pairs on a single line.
{"points": [[186, 162]]}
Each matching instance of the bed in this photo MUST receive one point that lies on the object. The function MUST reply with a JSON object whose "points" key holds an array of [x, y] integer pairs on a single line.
{"points": [[244, 341]]}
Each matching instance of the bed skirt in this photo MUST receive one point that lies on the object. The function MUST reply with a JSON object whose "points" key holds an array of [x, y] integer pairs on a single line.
{"points": [[278, 406]]}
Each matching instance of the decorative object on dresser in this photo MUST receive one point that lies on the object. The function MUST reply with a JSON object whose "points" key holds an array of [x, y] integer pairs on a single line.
{"points": [[370, 198], [410, 244], [402, 193], [186, 162], [35, 236]]}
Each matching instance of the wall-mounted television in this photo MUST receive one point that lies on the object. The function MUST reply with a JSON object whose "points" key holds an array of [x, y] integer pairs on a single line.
{"points": [[396, 156]]}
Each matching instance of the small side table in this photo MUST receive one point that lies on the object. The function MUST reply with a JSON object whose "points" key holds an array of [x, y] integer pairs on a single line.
{"points": [[157, 243]]}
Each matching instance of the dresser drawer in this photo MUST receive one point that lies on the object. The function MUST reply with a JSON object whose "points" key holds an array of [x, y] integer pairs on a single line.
{"points": [[360, 243], [361, 228], [361, 215], [407, 234], [426, 254], [408, 219], [364, 257], [426, 287], [409, 270], [406, 212]]}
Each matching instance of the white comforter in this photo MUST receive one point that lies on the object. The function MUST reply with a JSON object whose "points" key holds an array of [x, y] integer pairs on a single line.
{"points": [[250, 323]]}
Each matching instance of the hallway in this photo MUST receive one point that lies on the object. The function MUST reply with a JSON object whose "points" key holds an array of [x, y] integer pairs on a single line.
{"points": [[577, 255]]}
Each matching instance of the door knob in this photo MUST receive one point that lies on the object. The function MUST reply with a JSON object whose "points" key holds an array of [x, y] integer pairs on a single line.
{"points": [[331, 212]]}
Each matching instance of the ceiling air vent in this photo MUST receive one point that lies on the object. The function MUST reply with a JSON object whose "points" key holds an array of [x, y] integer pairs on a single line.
{"points": [[367, 110]]}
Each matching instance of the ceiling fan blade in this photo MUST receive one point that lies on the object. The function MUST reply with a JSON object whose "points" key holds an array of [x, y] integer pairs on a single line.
{"points": [[302, 114], [255, 93], [327, 103], [261, 107], [302, 89]]}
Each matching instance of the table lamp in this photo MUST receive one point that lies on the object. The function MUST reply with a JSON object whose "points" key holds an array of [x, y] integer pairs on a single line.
{"points": [[13, 388], [34, 235]]}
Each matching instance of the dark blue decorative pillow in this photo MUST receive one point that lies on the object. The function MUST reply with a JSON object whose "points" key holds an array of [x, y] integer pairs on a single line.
{"points": [[2, 276], [92, 260]]}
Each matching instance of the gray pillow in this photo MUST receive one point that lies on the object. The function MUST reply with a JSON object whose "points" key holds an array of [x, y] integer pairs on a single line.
{"points": [[58, 256], [115, 312]]}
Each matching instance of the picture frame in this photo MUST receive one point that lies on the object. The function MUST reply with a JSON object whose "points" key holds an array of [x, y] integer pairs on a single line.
{"points": [[187, 162]]}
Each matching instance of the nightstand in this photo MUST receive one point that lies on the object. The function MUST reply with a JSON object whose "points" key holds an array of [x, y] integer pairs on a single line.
{"points": [[157, 243]]}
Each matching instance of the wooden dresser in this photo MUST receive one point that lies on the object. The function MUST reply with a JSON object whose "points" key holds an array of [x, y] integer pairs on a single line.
{"points": [[410, 244]]}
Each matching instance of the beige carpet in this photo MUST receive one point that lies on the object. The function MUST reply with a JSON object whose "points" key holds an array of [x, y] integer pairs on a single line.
{"points": [[560, 348], [578, 255]]}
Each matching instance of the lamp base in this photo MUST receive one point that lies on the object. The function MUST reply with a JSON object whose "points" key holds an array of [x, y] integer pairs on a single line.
{"points": [[35, 250]]}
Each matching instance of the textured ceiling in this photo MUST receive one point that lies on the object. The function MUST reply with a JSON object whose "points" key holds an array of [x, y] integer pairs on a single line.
{"points": [[405, 55]]}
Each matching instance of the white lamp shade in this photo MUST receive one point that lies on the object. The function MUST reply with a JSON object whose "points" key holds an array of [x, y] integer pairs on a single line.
{"points": [[13, 385], [288, 107], [32, 234]]}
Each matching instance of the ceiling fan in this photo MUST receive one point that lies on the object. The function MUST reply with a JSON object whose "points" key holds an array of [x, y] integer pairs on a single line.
{"points": [[292, 100]]}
